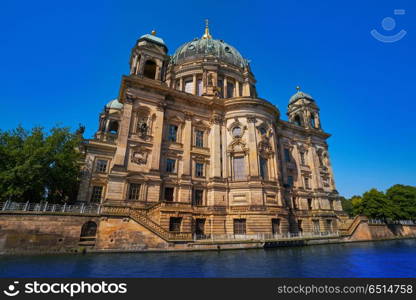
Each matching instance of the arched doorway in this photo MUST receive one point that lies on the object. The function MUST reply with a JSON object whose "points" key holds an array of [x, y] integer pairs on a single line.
{"points": [[89, 229]]}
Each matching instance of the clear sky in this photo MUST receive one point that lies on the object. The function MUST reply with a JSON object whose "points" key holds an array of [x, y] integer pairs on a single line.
{"points": [[61, 61]]}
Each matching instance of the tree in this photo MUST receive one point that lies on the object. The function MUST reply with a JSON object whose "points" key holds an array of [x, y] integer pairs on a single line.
{"points": [[376, 205], [347, 206], [403, 199], [35, 166]]}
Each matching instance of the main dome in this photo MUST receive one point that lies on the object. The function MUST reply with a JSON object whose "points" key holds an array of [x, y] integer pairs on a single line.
{"points": [[203, 47]]}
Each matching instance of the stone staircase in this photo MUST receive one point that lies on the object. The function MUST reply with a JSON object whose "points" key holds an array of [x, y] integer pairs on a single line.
{"points": [[348, 227], [140, 216]]}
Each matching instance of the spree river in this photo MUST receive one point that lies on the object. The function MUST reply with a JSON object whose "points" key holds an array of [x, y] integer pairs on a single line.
{"points": [[371, 259]]}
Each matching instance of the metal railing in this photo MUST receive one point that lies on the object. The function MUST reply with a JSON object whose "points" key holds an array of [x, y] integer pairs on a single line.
{"points": [[264, 236], [397, 222], [82, 208]]}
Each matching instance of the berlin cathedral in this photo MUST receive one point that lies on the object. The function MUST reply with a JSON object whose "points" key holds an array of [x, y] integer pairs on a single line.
{"points": [[191, 147]]}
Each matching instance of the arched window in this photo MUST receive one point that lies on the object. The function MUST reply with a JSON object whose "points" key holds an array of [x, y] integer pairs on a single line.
{"points": [[113, 127], [313, 125], [89, 229], [297, 120], [149, 69]]}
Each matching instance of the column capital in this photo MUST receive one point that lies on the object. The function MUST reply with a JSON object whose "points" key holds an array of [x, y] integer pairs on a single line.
{"points": [[217, 119], [251, 119]]}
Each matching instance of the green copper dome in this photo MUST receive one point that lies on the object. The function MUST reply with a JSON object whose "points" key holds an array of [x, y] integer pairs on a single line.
{"points": [[114, 104], [300, 95], [154, 39], [200, 48]]}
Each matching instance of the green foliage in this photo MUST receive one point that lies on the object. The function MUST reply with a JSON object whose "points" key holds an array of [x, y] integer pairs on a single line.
{"points": [[35, 166], [398, 203], [376, 205], [347, 206], [403, 199]]}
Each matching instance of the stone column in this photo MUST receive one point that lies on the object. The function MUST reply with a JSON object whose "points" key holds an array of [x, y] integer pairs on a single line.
{"points": [[252, 146], [225, 171], [157, 137], [216, 146], [181, 84], [315, 168], [225, 91], [123, 132], [187, 145], [237, 89], [246, 88], [194, 83]]}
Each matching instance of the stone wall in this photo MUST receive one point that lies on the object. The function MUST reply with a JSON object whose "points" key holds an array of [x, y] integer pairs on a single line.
{"points": [[28, 233], [126, 234], [366, 231]]}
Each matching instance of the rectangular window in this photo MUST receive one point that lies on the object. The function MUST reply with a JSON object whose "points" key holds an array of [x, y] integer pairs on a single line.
{"points": [[200, 226], [329, 225], [101, 166], [302, 158], [310, 204], [189, 86], [307, 186], [263, 167], [239, 226], [134, 190], [169, 193], [230, 90], [199, 170], [240, 90], [290, 180], [170, 165], [197, 199], [300, 229], [220, 85], [96, 195], [199, 87], [316, 226], [175, 224], [275, 226], [287, 155], [172, 133], [199, 138], [238, 168], [331, 204]]}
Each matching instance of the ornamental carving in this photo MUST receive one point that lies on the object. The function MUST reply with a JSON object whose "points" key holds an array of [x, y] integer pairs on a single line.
{"points": [[139, 155], [217, 119], [237, 146], [264, 147], [251, 119], [236, 129]]}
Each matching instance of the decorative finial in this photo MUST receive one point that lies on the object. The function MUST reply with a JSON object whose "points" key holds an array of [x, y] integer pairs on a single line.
{"points": [[206, 34], [298, 88], [153, 32]]}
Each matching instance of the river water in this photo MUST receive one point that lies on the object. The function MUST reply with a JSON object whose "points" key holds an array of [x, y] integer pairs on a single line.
{"points": [[370, 259]]}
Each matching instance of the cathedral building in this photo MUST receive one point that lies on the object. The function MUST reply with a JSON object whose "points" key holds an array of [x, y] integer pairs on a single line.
{"points": [[191, 148]]}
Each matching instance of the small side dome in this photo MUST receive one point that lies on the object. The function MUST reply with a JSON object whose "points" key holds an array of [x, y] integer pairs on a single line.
{"points": [[114, 104], [154, 39], [300, 95]]}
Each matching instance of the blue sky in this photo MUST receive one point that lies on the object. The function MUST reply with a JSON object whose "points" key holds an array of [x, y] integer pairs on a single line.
{"points": [[61, 61]]}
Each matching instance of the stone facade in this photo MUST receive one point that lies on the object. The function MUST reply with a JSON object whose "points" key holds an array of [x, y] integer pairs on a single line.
{"points": [[189, 141]]}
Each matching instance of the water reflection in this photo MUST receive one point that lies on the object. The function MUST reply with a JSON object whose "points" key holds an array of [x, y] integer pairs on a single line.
{"points": [[378, 259]]}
